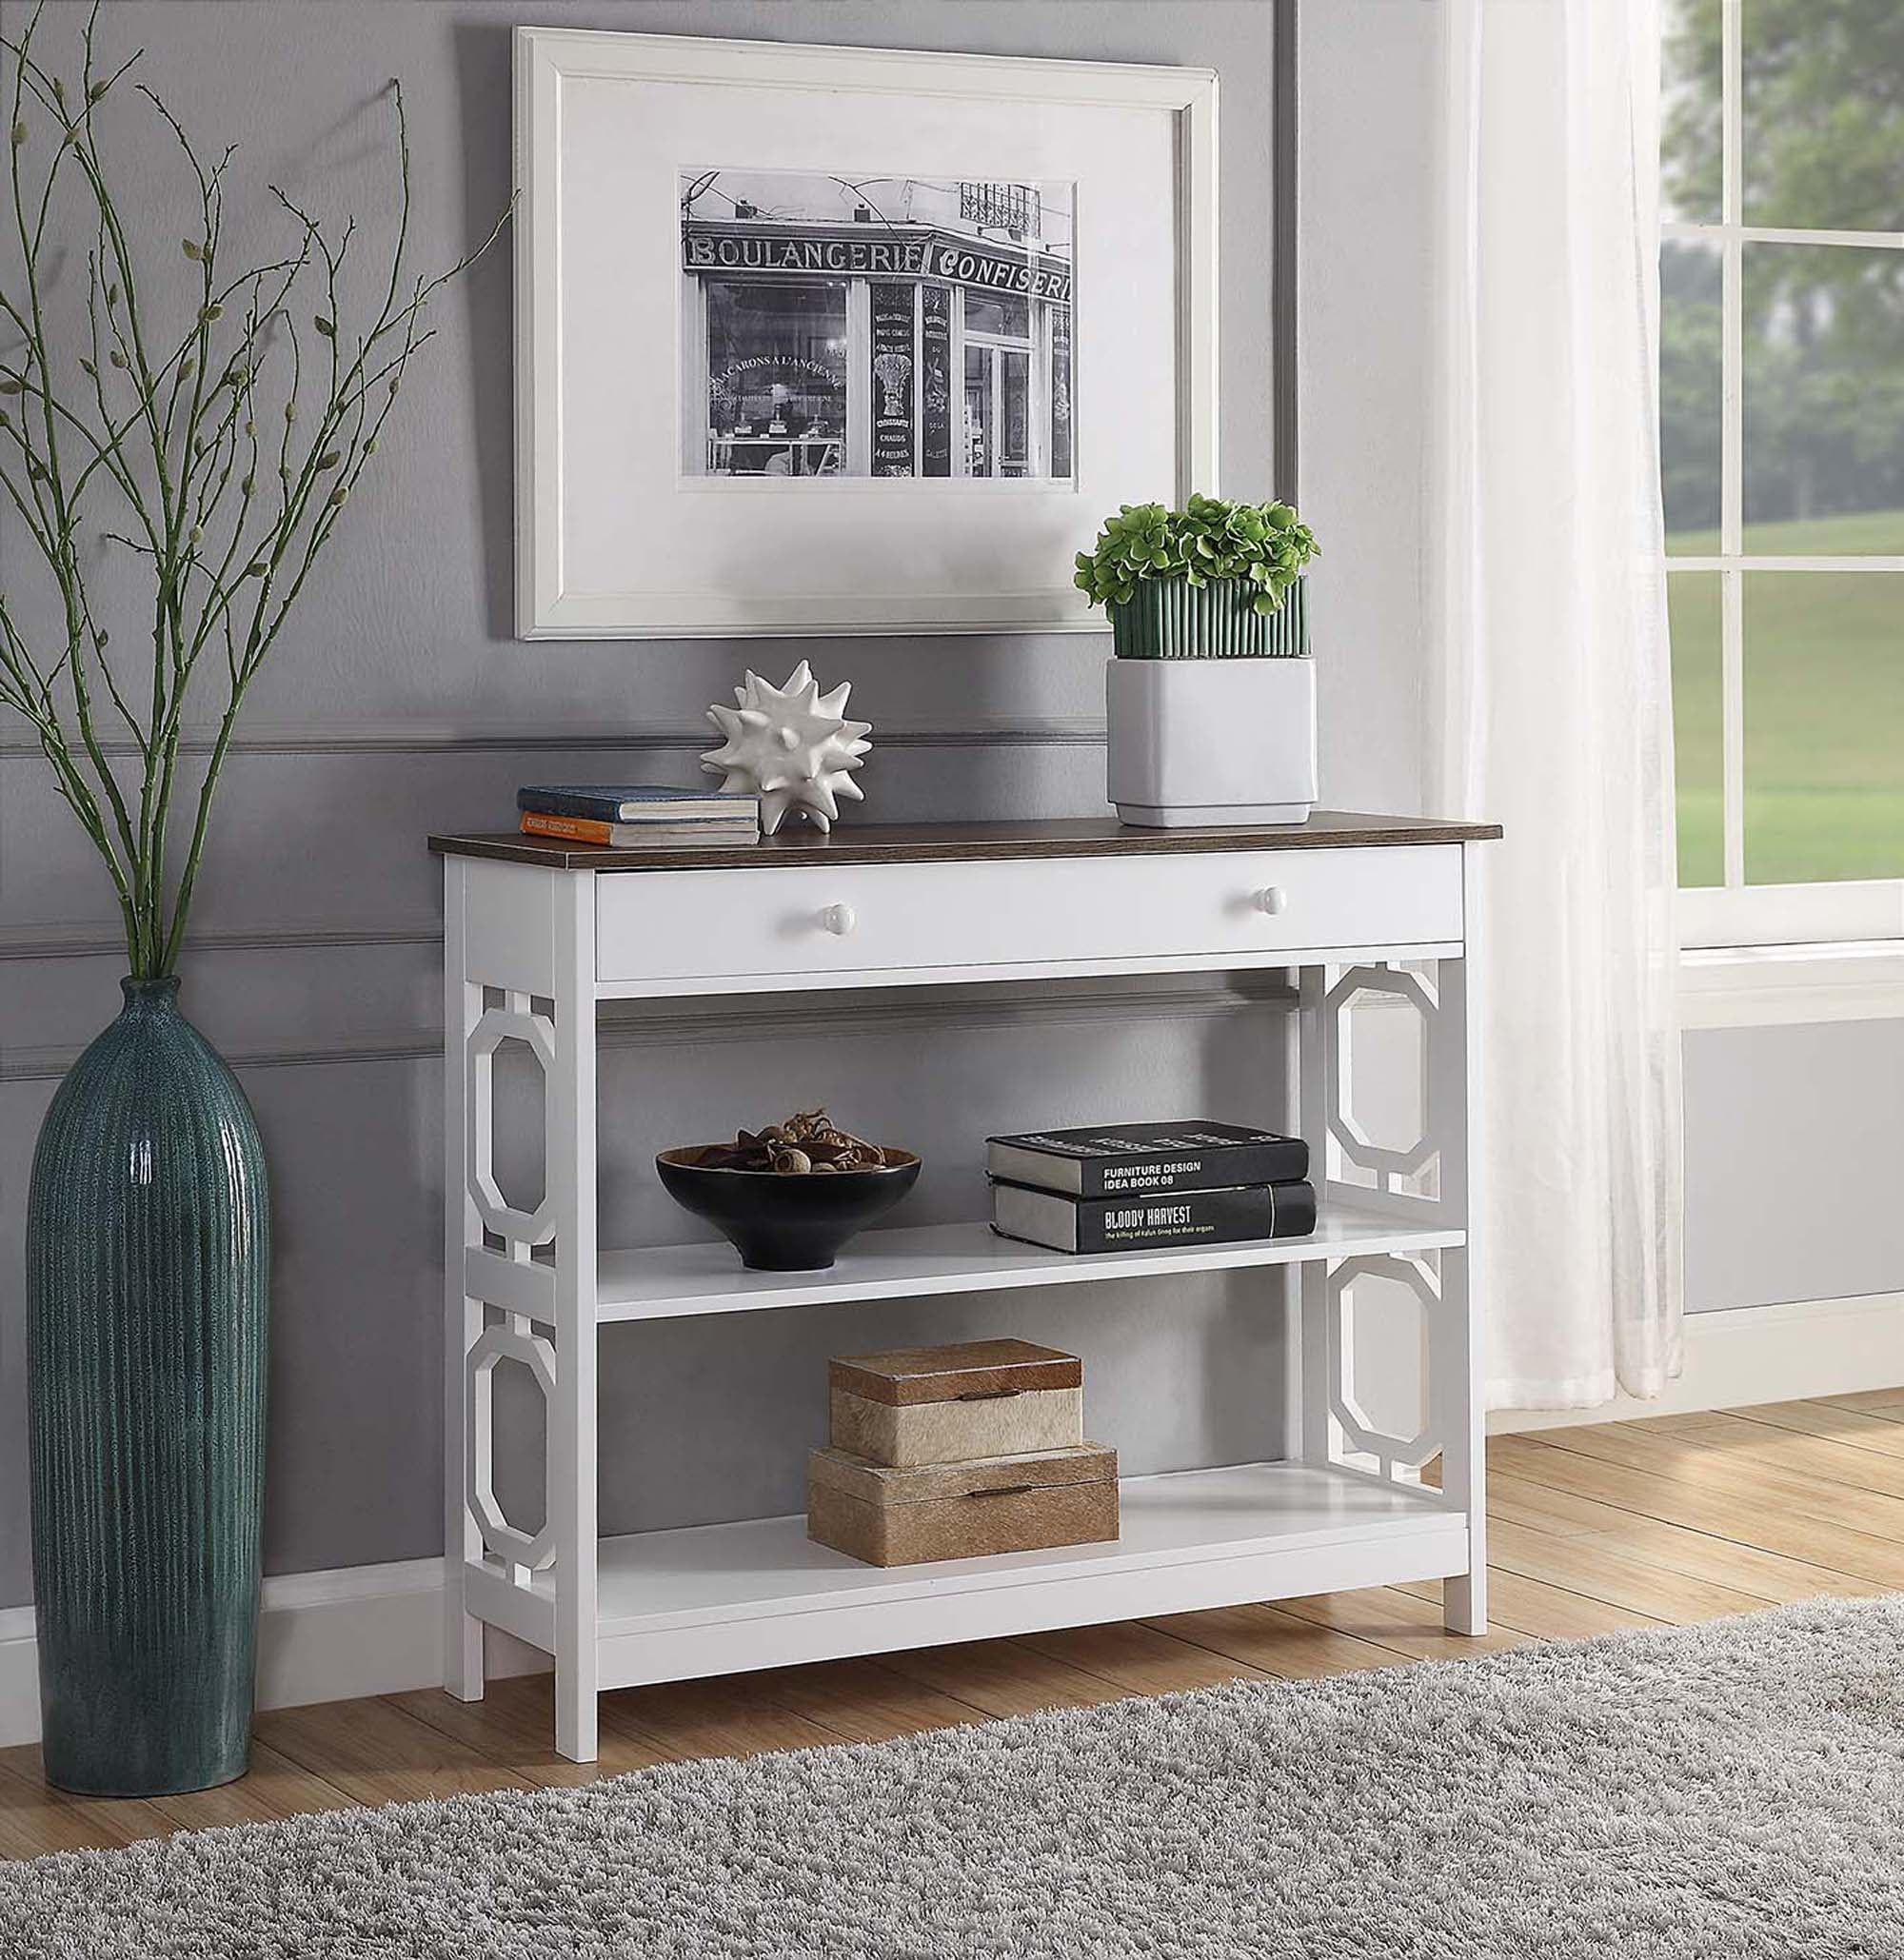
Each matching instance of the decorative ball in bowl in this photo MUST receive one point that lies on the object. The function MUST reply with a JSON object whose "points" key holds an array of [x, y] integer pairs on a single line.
{"points": [[790, 1196]]}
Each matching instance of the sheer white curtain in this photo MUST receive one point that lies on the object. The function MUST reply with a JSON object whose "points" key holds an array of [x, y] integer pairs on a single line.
{"points": [[1549, 689]]}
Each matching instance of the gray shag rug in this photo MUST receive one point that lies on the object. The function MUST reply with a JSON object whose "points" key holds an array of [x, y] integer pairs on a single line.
{"points": [[1727, 1791]]}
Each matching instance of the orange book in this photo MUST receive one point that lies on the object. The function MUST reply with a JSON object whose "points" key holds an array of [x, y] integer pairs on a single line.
{"points": [[592, 830]]}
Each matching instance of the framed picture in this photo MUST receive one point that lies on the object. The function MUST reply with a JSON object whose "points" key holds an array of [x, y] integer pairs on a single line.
{"points": [[833, 340]]}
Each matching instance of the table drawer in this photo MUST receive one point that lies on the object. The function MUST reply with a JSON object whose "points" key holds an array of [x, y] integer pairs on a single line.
{"points": [[819, 920]]}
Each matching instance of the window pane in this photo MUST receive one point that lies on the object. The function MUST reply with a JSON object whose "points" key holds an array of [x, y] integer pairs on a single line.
{"points": [[980, 459], [1689, 144], [1824, 399], [1824, 726], [1015, 398], [1689, 395], [1007, 317], [776, 377], [1823, 117], [1693, 610]]}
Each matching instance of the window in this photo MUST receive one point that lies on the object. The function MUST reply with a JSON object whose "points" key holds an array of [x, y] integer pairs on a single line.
{"points": [[776, 377], [1782, 459]]}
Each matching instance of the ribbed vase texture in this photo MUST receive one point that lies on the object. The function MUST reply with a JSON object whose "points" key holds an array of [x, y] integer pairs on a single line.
{"points": [[1171, 618], [147, 1283]]}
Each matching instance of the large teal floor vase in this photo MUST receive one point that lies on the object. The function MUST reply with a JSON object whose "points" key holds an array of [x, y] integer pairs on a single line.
{"points": [[147, 1282]]}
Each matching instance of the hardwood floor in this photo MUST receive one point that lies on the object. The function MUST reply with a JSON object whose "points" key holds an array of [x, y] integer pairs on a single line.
{"points": [[1659, 1522]]}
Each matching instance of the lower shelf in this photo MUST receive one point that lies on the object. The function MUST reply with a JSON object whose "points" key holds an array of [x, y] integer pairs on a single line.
{"points": [[721, 1599]]}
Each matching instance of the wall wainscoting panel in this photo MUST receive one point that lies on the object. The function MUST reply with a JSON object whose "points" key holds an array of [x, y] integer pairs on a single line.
{"points": [[327, 835], [402, 738], [216, 1004], [399, 703]]}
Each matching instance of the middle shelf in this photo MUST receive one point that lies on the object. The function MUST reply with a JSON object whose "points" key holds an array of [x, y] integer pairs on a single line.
{"points": [[670, 1281]]}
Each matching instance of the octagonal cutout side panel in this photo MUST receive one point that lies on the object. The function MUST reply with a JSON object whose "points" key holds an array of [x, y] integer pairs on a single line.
{"points": [[1358, 1431], [1354, 1141], [493, 1345], [537, 1033]]}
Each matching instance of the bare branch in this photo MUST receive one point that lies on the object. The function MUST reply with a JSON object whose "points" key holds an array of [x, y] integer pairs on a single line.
{"points": [[106, 407]]}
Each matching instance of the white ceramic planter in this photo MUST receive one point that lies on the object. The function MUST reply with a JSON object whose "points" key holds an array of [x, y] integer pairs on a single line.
{"points": [[1211, 740]]}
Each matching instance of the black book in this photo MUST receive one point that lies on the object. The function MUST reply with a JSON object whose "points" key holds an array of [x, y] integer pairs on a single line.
{"points": [[1125, 1224], [1132, 1159]]}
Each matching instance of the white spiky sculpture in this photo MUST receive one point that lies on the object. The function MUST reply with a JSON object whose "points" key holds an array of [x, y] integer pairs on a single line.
{"points": [[792, 746]]}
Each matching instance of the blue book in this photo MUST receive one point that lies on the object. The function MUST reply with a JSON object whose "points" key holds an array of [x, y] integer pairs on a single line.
{"points": [[638, 803]]}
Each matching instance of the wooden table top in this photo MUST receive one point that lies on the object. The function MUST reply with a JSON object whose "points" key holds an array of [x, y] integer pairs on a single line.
{"points": [[920, 844]]}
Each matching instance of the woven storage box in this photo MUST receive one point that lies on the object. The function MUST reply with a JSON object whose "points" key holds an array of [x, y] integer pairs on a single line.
{"points": [[957, 1403], [910, 1516]]}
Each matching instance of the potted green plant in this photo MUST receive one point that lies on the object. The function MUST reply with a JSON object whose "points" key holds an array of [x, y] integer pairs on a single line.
{"points": [[1210, 697], [176, 451]]}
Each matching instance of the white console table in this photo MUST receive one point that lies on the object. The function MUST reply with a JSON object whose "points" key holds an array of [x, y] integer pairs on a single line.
{"points": [[536, 935]]}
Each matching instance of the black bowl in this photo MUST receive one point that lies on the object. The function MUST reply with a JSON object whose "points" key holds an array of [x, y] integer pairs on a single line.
{"points": [[786, 1223]]}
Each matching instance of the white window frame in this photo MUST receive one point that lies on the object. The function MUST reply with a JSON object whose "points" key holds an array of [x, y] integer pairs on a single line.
{"points": [[1737, 914]]}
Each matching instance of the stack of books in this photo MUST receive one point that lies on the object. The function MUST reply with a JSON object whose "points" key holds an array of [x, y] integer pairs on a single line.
{"points": [[626, 816], [1134, 1185]]}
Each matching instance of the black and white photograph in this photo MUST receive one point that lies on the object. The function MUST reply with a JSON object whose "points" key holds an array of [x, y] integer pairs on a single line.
{"points": [[807, 324], [844, 326]]}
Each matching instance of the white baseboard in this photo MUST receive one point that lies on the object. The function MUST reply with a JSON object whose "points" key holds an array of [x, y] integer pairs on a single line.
{"points": [[378, 1628], [1774, 1353], [322, 1636]]}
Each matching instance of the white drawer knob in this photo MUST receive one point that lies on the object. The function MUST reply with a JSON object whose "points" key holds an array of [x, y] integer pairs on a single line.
{"points": [[1271, 898], [838, 920]]}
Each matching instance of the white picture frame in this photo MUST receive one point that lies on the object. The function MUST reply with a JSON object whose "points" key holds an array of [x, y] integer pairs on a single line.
{"points": [[616, 540]]}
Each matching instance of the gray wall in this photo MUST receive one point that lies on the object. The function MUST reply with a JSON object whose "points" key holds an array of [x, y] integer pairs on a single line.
{"points": [[1794, 1163], [398, 703]]}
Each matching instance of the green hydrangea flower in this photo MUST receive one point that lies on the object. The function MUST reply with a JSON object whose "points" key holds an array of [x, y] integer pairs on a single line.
{"points": [[1267, 545]]}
